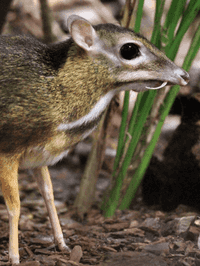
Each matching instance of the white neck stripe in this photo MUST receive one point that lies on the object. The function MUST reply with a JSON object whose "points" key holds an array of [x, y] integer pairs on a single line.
{"points": [[92, 115]]}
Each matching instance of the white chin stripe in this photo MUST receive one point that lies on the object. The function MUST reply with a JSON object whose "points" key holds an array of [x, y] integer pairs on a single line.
{"points": [[156, 88]]}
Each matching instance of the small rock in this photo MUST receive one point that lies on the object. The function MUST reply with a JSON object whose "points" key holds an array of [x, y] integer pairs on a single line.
{"points": [[152, 223], [184, 224], [158, 248], [76, 254]]}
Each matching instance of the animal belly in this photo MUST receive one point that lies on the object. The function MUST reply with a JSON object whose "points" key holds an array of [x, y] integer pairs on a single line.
{"points": [[53, 151], [48, 153], [37, 157]]}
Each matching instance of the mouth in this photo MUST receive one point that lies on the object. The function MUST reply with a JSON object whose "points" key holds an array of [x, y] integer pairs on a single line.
{"points": [[143, 85], [138, 86]]}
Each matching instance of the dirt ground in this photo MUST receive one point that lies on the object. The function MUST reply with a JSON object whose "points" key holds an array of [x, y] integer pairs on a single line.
{"points": [[140, 236]]}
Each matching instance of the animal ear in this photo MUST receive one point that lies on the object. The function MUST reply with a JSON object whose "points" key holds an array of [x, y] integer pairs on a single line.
{"points": [[82, 32]]}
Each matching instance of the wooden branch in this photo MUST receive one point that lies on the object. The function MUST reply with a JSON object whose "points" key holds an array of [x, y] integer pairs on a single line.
{"points": [[4, 8], [46, 22]]}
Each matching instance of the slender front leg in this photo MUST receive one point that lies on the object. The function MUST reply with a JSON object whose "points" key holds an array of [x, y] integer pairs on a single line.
{"points": [[45, 186], [9, 185]]}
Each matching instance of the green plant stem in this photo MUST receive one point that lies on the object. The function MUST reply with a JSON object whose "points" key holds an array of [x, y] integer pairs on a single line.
{"points": [[122, 131], [155, 38], [125, 144], [139, 16], [193, 50]]}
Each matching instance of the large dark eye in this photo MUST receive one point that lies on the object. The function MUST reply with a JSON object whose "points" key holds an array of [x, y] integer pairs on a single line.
{"points": [[129, 51]]}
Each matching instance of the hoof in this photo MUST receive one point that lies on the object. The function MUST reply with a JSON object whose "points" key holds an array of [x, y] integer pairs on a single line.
{"points": [[14, 260], [63, 247]]}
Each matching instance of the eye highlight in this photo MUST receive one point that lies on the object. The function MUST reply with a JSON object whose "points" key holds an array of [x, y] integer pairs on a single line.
{"points": [[129, 51]]}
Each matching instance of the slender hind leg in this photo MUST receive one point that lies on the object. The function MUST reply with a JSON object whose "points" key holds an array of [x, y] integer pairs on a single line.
{"points": [[9, 186], [45, 186]]}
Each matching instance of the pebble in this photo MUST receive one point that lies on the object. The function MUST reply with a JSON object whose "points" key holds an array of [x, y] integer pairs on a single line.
{"points": [[184, 224], [157, 249]]}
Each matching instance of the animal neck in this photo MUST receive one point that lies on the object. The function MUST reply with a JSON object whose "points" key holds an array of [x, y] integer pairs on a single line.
{"points": [[82, 83]]}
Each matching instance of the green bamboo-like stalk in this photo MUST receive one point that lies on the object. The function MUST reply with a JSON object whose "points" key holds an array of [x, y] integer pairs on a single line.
{"points": [[122, 132], [155, 38], [124, 144], [139, 16], [163, 113]]}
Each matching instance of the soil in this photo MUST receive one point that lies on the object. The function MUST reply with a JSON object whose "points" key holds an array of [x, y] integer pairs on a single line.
{"points": [[140, 236]]}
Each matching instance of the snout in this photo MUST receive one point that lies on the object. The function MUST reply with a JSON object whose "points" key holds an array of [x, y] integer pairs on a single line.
{"points": [[182, 77]]}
